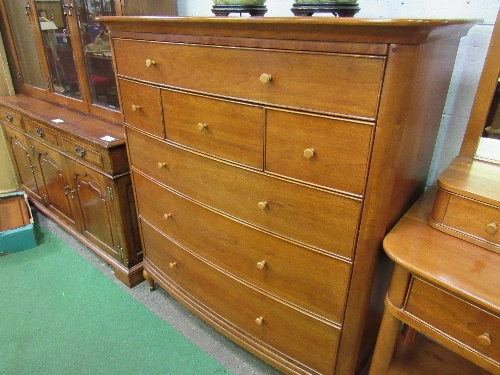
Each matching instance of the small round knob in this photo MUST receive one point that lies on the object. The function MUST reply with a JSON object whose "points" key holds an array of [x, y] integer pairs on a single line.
{"points": [[150, 63], [202, 126], [136, 107], [309, 152], [261, 264], [262, 205], [259, 320], [491, 228], [167, 216], [265, 78], [485, 339], [162, 165], [172, 264]]}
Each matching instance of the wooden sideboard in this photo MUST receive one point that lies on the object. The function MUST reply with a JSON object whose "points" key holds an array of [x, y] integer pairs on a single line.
{"points": [[74, 169], [269, 157]]}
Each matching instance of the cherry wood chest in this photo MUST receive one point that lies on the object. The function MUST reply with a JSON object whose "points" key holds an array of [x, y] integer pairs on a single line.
{"points": [[269, 157]]}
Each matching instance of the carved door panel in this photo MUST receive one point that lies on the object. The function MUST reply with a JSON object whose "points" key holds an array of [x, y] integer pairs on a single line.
{"points": [[57, 190], [93, 195], [24, 163]]}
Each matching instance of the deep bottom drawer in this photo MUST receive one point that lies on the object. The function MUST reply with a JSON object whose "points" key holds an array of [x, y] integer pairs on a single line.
{"points": [[265, 320]]}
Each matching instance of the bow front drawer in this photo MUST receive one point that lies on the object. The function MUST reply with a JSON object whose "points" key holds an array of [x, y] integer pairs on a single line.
{"points": [[334, 83]]}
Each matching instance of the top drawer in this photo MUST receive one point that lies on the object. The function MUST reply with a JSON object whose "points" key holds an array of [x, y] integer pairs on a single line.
{"points": [[296, 80], [10, 118], [43, 132]]}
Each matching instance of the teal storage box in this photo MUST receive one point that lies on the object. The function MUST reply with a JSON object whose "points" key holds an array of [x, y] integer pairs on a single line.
{"points": [[16, 223]]}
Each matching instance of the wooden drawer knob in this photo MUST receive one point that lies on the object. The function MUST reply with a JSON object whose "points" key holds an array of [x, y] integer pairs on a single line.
{"points": [[484, 339], [265, 78], [262, 205], [150, 63], [136, 108], [491, 228], [259, 320], [162, 165], [261, 264], [202, 127], [172, 264], [167, 216], [309, 152]]}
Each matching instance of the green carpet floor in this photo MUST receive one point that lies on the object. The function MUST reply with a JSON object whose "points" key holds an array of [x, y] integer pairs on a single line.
{"points": [[61, 316]]}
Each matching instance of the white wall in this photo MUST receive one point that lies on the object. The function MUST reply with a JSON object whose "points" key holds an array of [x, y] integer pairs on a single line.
{"points": [[468, 66]]}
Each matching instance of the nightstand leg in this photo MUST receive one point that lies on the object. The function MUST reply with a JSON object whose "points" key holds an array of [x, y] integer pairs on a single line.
{"points": [[386, 343]]}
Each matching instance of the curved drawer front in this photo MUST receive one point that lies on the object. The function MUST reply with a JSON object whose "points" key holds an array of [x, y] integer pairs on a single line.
{"points": [[324, 151], [307, 278], [261, 318], [474, 327], [325, 220], [141, 107], [219, 127], [353, 82], [41, 132]]}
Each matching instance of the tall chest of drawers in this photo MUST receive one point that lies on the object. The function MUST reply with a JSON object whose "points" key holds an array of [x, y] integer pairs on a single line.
{"points": [[269, 157]]}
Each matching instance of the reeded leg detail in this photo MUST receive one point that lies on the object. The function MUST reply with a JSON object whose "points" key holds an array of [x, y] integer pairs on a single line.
{"points": [[149, 279]]}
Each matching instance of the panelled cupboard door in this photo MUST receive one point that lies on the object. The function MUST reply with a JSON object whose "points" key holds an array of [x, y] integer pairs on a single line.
{"points": [[24, 163], [90, 192], [58, 193]]}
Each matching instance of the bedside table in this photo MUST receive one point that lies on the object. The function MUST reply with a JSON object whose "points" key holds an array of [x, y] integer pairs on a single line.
{"points": [[443, 287]]}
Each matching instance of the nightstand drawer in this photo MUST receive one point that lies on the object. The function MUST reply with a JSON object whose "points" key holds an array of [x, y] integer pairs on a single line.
{"points": [[141, 106], [11, 118], [273, 324], [324, 151], [311, 216], [41, 132], [474, 327], [82, 151], [275, 265], [275, 77], [219, 127]]}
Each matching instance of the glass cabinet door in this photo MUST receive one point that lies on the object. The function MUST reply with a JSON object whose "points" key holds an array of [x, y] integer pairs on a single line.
{"points": [[53, 18], [31, 72], [97, 51]]}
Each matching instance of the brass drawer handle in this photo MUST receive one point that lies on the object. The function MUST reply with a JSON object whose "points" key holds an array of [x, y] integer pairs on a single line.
{"points": [[485, 339], [309, 153], [261, 264], [136, 107], [161, 165], [80, 151], [39, 131], [491, 228], [167, 216], [265, 78], [259, 320], [262, 205], [202, 126], [9, 118], [172, 264], [150, 63]]}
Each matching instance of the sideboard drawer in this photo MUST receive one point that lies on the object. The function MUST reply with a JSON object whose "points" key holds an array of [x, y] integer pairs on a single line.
{"points": [[82, 151], [474, 327], [293, 79], [271, 263], [272, 323], [42, 132], [11, 118], [321, 219], [219, 127], [141, 107], [324, 151]]}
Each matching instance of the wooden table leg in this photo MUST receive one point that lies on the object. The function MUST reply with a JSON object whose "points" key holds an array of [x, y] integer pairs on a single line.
{"points": [[386, 343]]}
